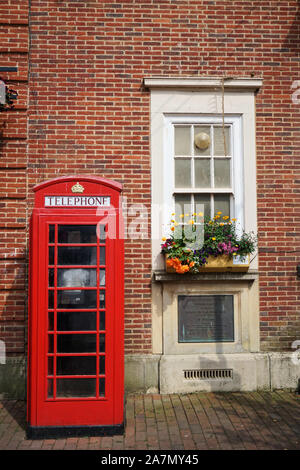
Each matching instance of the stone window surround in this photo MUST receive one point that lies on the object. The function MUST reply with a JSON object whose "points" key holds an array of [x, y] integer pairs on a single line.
{"points": [[203, 96]]}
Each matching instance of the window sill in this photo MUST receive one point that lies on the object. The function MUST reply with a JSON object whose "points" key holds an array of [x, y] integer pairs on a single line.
{"points": [[163, 276]]}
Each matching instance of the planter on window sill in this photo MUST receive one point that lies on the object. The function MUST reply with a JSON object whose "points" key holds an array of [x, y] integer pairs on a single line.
{"points": [[221, 263]]}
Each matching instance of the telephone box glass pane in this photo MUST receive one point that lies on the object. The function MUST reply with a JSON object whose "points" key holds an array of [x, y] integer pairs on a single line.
{"points": [[102, 320], [50, 321], [102, 365], [51, 277], [76, 321], [76, 365], [102, 299], [72, 343], [101, 387], [51, 233], [50, 388], [77, 255], [102, 277], [51, 299], [50, 344], [102, 342], [50, 365], [75, 388], [77, 234], [101, 233], [77, 299], [76, 277], [102, 255], [51, 254]]}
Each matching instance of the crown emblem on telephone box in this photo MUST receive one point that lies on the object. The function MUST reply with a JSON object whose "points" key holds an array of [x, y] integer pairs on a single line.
{"points": [[77, 188]]}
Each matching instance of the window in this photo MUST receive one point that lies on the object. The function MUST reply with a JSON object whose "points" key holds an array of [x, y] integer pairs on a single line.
{"points": [[196, 103], [205, 179]]}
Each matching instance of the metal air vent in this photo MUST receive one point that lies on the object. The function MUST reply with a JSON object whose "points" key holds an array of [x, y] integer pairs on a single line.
{"points": [[208, 374]]}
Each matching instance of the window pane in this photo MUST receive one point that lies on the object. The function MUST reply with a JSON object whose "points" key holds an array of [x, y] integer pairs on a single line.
{"points": [[79, 255], [202, 173], [77, 234], [222, 172], [77, 299], [75, 388], [77, 343], [182, 205], [182, 140], [76, 365], [222, 204], [198, 130], [76, 277], [219, 141], [183, 173], [200, 201], [76, 321]]}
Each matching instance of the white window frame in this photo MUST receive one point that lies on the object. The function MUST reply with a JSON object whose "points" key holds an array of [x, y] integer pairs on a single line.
{"points": [[200, 97], [169, 190]]}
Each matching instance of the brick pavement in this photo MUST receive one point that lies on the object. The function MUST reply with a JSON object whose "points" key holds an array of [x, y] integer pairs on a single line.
{"points": [[198, 421]]}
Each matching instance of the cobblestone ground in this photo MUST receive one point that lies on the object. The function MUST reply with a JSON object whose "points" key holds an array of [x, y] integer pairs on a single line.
{"points": [[198, 421]]}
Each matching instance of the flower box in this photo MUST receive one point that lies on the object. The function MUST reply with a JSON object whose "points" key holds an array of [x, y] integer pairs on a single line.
{"points": [[221, 263]]}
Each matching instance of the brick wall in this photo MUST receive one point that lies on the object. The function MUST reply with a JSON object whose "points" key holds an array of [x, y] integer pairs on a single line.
{"points": [[88, 113], [14, 46]]}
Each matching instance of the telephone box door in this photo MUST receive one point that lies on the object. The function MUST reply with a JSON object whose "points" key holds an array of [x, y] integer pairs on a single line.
{"points": [[76, 346]]}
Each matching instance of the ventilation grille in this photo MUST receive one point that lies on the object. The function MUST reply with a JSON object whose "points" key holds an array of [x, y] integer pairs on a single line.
{"points": [[204, 374]]}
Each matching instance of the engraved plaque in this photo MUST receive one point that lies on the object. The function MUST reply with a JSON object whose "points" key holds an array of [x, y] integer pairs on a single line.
{"points": [[205, 318]]}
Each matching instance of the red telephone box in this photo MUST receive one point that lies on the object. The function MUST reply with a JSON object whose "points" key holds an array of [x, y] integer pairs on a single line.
{"points": [[76, 345]]}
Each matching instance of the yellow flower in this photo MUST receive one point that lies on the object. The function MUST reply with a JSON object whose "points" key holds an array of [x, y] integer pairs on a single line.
{"points": [[219, 213], [213, 238], [173, 213], [234, 254], [217, 217], [181, 216], [226, 217], [191, 222], [234, 220], [163, 239], [200, 214], [221, 224], [175, 223], [187, 215], [172, 221]]}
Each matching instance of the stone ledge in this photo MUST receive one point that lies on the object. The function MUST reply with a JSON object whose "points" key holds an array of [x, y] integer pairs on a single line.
{"points": [[211, 83], [163, 276]]}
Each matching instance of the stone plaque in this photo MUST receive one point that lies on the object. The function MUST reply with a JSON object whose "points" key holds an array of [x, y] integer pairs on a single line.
{"points": [[205, 318]]}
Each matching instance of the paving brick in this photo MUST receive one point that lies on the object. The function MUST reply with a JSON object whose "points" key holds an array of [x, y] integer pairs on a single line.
{"points": [[197, 421]]}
